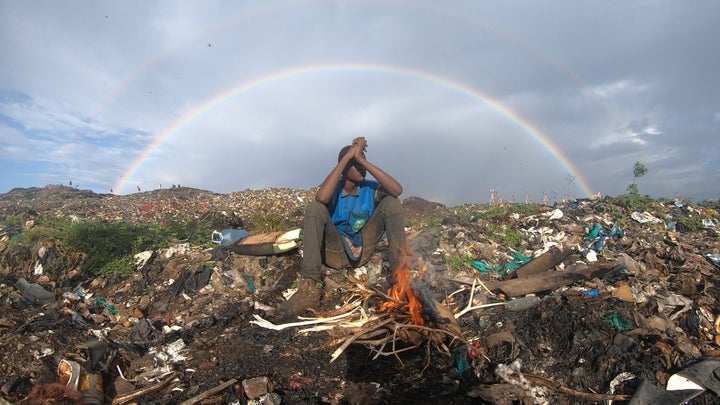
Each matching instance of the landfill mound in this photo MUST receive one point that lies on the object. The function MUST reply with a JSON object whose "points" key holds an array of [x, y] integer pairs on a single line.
{"points": [[583, 302]]}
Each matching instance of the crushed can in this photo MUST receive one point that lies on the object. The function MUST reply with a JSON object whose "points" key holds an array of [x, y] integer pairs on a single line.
{"points": [[69, 373]]}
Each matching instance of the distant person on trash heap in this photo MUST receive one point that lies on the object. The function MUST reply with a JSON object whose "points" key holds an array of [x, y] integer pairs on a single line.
{"points": [[345, 223]]}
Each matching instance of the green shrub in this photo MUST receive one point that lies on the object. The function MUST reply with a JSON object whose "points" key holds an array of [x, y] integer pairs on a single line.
{"points": [[109, 246], [267, 222], [120, 266], [633, 200], [687, 223]]}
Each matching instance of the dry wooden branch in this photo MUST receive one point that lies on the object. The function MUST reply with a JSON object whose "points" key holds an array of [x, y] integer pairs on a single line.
{"points": [[469, 306], [492, 294], [119, 400], [209, 392], [314, 321], [373, 291], [329, 326], [365, 339], [395, 352], [374, 331], [328, 314], [452, 335], [356, 336]]}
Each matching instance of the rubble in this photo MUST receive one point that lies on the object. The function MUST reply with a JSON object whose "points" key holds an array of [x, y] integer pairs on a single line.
{"points": [[583, 302]]}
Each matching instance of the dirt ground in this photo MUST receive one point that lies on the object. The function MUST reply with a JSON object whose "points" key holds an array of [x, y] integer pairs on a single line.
{"points": [[180, 332]]}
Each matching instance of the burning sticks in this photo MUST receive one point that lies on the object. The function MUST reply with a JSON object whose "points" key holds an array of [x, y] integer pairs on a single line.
{"points": [[387, 324], [402, 291]]}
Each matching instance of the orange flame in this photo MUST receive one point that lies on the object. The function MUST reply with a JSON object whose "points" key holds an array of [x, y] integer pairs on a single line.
{"points": [[402, 291]]}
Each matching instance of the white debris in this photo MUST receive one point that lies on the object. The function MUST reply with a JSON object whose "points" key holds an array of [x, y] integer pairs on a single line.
{"points": [[645, 217], [511, 374], [142, 258]]}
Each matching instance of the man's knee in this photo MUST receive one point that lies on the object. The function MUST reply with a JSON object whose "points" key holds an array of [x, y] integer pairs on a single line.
{"points": [[316, 209], [391, 205]]}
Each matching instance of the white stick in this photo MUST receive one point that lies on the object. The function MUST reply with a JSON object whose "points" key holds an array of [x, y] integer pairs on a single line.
{"points": [[269, 325], [468, 309]]}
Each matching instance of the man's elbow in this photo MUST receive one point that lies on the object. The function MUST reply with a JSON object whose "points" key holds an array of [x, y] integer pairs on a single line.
{"points": [[322, 199]]}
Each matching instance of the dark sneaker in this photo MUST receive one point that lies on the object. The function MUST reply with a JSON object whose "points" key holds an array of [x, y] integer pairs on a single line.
{"points": [[306, 297]]}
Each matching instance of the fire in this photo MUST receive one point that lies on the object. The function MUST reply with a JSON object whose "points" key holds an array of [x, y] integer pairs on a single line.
{"points": [[402, 291]]}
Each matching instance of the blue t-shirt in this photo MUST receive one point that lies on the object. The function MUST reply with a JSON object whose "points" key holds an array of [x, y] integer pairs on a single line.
{"points": [[350, 213]]}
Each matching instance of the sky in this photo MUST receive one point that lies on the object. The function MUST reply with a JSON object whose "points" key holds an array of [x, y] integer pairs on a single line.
{"points": [[459, 101]]}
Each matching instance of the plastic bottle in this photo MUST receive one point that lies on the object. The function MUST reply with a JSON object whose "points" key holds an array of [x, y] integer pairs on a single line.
{"points": [[229, 236], [35, 293], [522, 303], [670, 225], [714, 257]]}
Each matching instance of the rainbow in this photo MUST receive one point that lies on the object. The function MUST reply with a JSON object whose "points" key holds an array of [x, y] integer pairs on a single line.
{"points": [[264, 9], [543, 140]]}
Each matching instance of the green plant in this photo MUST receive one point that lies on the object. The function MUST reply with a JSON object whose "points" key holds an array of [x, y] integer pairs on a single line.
{"points": [[639, 170], [506, 209], [195, 231], [633, 199], [506, 235], [120, 266], [617, 214], [12, 220], [457, 263], [46, 229], [267, 222], [423, 222], [689, 223], [101, 242], [494, 211], [712, 204], [107, 248]]}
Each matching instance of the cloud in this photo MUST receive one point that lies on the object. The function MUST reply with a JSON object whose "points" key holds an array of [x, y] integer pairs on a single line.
{"points": [[225, 96]]}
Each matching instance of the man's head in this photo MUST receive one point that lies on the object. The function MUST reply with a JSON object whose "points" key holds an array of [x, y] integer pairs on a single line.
{"points": [[344, 151], [351, 164]]}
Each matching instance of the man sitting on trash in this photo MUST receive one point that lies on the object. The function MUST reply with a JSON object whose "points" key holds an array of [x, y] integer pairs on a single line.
{"points": [[345, 223]]}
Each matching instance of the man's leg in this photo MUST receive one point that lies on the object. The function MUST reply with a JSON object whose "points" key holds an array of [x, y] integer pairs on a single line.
{"points": [[387, 218], [321, 243]]}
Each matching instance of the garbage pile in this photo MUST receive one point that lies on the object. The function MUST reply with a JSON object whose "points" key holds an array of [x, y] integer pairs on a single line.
{"points": [[583, 302]]}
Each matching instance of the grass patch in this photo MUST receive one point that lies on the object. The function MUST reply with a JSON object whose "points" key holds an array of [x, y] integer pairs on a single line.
{"points": [[264, 222], [423, 222], [195, 231], [687, 223], [104, 248], [457, 263], [506, 236], [496, 210], [109, 246]]}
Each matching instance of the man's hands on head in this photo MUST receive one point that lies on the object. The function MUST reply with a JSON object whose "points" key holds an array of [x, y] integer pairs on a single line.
{"points": [[359, 147]]}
